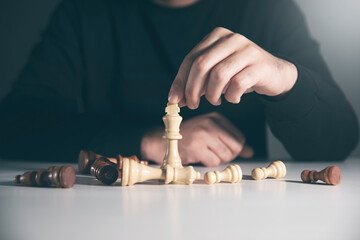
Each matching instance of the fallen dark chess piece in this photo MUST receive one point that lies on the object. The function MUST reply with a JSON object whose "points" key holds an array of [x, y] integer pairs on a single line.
{"points": [[60, 176]]}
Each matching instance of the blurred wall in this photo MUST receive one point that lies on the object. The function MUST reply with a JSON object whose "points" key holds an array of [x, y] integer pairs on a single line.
{"points": [[335, 24]]}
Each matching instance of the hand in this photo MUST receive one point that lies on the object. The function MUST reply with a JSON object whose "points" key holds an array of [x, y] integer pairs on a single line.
{"points": [[228, 63], [210, 139]]}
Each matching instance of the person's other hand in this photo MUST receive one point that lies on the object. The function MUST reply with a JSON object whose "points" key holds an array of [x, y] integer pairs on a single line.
{"points": [[210, 139], [228, 63]]}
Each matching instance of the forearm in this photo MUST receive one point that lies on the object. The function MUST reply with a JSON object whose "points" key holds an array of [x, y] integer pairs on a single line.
{"points": [[314, 121]]}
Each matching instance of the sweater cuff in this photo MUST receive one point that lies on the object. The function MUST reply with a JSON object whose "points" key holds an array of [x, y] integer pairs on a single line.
{"points": [[297, 103]]}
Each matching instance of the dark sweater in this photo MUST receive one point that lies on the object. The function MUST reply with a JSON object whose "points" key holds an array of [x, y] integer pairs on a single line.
{"points": [[100, 76]]}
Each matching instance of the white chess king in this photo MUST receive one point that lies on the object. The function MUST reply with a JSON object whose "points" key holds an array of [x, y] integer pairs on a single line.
{"points": [[172, 121]]}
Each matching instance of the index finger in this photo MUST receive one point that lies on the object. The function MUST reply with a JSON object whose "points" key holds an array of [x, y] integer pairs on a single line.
{"points": [[177, 90]]}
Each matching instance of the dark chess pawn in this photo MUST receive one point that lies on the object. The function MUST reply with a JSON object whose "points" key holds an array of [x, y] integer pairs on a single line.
{"points": [[87, 158], [60, 176], [104, 170], [331, 175]]}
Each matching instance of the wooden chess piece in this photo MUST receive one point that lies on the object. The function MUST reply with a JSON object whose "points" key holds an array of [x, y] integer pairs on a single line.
{"points": [[133, 172], [331, 175], [232, 174], [276, 169], [87, 158], [183, 175], [172, 121], [61, 176], [119, 160], [104, 170]]}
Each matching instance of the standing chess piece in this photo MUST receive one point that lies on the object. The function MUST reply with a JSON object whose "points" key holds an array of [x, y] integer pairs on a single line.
{"points": [[331, 175], [172, 121], [232, 174], [87, 158], [104, 170], [276, 169], [133, 172], [61, 176]]}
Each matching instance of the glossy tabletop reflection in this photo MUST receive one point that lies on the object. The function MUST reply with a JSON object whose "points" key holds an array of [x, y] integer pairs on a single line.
{"points": [[267, 209]]}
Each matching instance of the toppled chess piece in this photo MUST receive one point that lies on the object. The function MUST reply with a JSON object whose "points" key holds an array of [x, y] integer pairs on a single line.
{"points": [[60, 176], [330, 175], [232, 174], [105, 171], [276, 169], [133, 172], [87, 158], [120, 158], [172, 121]]}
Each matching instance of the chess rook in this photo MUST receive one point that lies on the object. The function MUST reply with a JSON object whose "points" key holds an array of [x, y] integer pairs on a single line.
{"points": [[330, 175], [172, 121], [60, 176], [87, 158], [232, 174], [105, 171], [133, 172], [276, 169]]}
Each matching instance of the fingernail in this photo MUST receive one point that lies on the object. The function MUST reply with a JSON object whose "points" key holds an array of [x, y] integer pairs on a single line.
{"points": [[196, 105], [173, 98], [192, 106]]}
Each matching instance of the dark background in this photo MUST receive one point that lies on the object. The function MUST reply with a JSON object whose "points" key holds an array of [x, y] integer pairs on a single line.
{"points": [[335, 24]]}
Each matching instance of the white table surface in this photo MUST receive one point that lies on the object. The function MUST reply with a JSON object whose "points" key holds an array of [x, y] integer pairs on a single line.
{"points": [[267, 209]]}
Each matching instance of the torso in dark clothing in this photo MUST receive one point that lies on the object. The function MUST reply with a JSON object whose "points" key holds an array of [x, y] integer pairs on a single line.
{"points": [[138, 48], [100, 77]]}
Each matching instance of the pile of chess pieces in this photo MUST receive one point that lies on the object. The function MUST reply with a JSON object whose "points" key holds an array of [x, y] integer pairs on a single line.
{"points": [[130, 170]]}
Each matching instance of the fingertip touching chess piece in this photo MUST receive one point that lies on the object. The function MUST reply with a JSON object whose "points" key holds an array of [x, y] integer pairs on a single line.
{"points": [[87, 158], [232, 174], [60, 176], [330, 175], [172, 121], [133, 172], [276, 169], [104, 170]]}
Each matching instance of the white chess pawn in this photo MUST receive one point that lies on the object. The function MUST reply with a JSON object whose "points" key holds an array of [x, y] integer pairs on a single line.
{"points": [[172, 121], [133, 172], [276, 169], [232, 174]]}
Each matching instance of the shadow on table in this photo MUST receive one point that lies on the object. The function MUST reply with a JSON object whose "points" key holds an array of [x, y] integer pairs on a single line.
{"points": [[248, 177], [8, 183], [88, 180], [12, 184], [297, 181]]}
